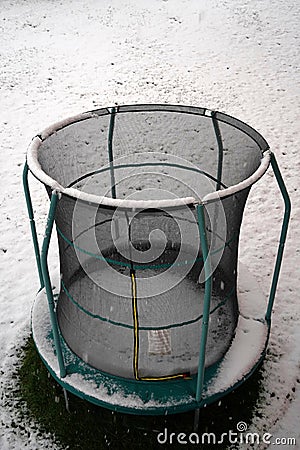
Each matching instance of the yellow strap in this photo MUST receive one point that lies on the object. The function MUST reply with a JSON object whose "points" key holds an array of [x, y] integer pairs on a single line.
{"points": [[136, 327], [136, 341], [166, 377]]}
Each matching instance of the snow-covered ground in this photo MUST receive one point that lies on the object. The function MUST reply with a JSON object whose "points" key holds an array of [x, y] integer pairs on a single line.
{"points": [[237, 56]]}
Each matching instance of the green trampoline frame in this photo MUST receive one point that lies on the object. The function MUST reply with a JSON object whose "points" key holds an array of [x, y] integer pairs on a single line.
{"points": [[189, 393]]}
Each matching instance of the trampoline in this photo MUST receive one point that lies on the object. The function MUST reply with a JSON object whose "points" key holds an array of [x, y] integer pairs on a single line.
{"points": [[153, 312]]}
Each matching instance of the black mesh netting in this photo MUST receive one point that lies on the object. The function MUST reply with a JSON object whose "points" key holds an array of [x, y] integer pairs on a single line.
{"points": [[132, 292]]}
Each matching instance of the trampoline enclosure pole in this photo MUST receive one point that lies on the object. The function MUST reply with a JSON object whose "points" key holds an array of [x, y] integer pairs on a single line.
{"points": [[32, 224], [110, 152], [47, 282], [220, 150], [283, 234], [206, 303]]}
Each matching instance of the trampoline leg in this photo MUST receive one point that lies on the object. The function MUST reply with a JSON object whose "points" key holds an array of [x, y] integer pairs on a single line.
{"points": [[196, 419], [66, 400]]}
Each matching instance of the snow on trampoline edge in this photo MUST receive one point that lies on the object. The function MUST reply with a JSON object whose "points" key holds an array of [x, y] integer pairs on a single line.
{"points": [[246, 350]]}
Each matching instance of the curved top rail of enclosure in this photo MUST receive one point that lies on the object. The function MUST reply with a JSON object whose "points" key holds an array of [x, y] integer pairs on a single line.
{"points": [[170, 155]]}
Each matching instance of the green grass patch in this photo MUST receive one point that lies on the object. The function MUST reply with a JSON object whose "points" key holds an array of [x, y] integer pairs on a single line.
{"points": [[87, 426]]}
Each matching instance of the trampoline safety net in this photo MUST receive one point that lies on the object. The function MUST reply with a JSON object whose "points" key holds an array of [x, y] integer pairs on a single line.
{"points": [[132, 278]]}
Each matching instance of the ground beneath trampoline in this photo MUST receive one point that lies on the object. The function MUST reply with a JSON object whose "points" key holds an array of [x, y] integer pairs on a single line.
{"points": [[240, 57]]}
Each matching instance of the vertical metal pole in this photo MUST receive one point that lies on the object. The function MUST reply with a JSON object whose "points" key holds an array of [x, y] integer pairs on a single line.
{"points": [[47, 281], [134, 305], [283, 234], [220, 150], [219, 178], [67, 404], [110, 152], [111, 165], [206, 303], [32, 223], [196, 420]]}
